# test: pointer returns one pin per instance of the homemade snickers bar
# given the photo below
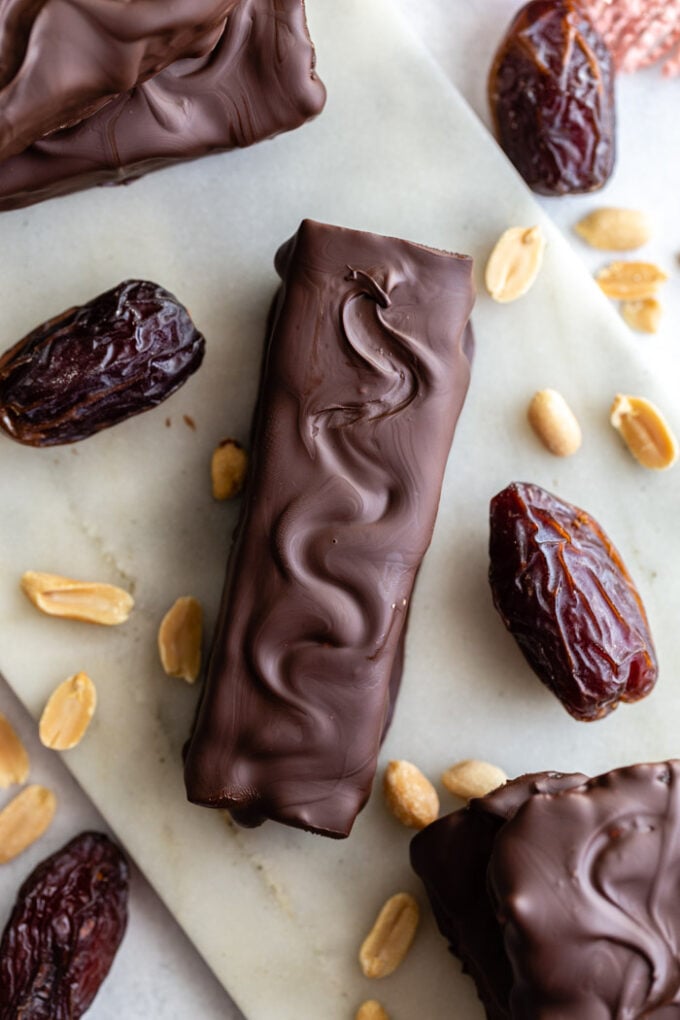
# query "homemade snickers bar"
(253, 78)
(365, 371)
(60, 60)
(559, 893)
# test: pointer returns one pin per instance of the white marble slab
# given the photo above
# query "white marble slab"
(276, 913)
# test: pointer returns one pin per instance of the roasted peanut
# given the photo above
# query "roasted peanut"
(24, 820)
(371, 1010)
(390, 938)
(514, 263)
(179, 639)
(613, 229)
(410, 796)
(228, 469)
(643, 316)
(631, 281)
(645, 431)
(554, 423)
(473, 778)
(88, 601)
(68, 713)
(14, 763)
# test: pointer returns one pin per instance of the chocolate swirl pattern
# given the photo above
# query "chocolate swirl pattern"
(254, 80)
(452, 856)
(588, 884)
(60, 60)
(560, 894)
(365, 372)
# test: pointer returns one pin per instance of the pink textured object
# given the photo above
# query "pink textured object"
(639, 32)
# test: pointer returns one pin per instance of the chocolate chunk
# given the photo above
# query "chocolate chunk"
(452, 856)
(258, 81)
(588, 887)
(60, 60)
(562, 899)
(365, 371)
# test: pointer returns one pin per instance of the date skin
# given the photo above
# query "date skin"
(565, 595)
(64, 931)
(551, 92)
(96, 365)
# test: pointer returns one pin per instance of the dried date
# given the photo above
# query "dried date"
(98, 364)
(565, 595)
(551, 91)
(64, 931)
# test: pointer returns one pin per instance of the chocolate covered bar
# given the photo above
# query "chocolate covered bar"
(559, 894)
(60, 60)
(365, 371)
(257, 81)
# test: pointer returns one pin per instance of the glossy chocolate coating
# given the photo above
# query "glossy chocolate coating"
(60, 60)
(365, 371)
(452, 856)
(588, 885)
(560, 894)
(258, 80)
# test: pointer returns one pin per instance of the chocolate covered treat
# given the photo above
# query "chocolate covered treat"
(60, 60)
(559, 894)
(366, 367)
(257, 81)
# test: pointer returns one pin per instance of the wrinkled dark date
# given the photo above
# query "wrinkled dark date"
(64, 931)
(565, 595)
(551, 90)
(98, 364)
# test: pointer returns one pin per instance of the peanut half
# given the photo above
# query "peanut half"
(179, 639)
(88, 601)
(631, 281)
(514, 263)
(645, 431)
(371, 1010)
(68, 712)
(410, 796)
(554, 423)
(228, 469)
(14, 763)
(643, 316)
(612, 229)
(390, 938)
(24, 820)
(473, 778)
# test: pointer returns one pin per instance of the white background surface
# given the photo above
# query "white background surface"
(172, 982)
